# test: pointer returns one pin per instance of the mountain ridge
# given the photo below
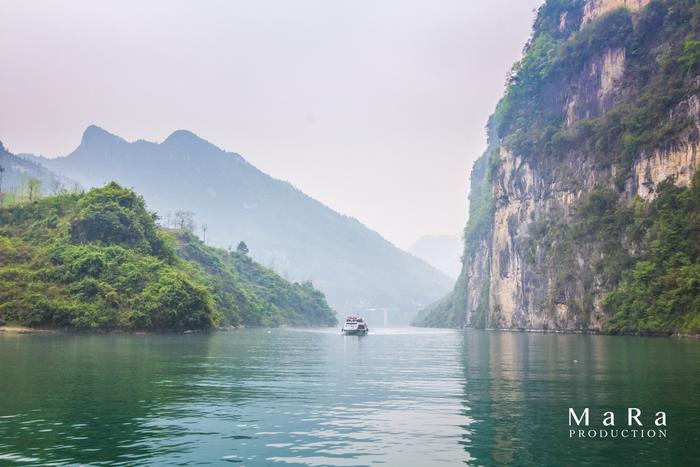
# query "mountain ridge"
(18, 169)
(300, 236)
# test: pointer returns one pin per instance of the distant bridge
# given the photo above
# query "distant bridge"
(389, 316)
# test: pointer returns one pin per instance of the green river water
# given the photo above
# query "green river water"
(399, 397)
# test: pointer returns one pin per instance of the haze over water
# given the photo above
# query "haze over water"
(312, 397)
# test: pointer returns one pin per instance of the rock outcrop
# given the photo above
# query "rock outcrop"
(676, 161)
(593, 9)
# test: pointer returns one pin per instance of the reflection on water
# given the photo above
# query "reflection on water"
(313, 397)
(257, 396)
(518, 388)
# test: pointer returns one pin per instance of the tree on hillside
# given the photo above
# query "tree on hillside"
(166, 220)
(184, 220)
(242, 248)
(57, 187)
(2, 169)
(33, 189)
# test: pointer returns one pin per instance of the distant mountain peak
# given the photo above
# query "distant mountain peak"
(183, 134)
(443, 252)
(186, 140)
(185, 137)
(96, 135)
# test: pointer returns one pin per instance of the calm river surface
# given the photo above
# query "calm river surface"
(312, 397)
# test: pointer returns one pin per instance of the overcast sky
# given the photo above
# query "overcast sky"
(374, 107)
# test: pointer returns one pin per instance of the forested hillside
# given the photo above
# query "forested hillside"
(99, 261)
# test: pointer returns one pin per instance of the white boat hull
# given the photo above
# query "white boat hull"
(355, 332)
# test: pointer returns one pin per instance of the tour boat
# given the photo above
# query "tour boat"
(355, 326)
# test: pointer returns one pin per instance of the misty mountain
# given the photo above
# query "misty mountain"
(17, 170)
(443, 252)
(300, 237)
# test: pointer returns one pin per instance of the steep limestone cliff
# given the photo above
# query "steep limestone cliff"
(600, 116)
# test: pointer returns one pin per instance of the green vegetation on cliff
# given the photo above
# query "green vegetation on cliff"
(98, 261)
(660, 292)
(662, 60)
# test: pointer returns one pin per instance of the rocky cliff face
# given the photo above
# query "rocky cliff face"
(526, 293)
(592, 9)
(588, 121)
(675, 161)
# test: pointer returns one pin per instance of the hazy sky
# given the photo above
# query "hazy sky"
(376, 108)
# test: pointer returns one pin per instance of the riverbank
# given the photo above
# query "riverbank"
(19, 329)
(26, 330)
(594, 332)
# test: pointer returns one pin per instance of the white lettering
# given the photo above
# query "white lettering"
(633, 414)
(609, 419)
(578, 420)
(660, 419)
